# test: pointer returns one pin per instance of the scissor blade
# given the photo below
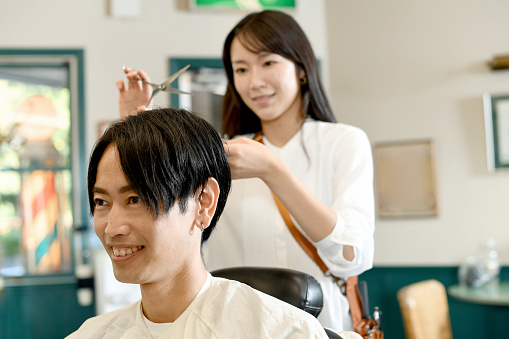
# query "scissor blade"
(174, 76)
(154, 92)
(174, 90)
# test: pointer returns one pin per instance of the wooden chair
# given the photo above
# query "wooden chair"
(425, 310)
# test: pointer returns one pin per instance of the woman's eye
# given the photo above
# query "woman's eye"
(240, 70)
(270, 62)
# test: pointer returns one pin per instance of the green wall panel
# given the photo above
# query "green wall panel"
(43, 312)
(467, 320)
(52, 311)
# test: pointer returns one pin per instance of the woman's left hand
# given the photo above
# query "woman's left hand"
(249, 159)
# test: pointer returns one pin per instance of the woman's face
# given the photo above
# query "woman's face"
(267, 83)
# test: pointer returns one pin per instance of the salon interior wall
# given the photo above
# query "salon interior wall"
(404, 70)
(165, 28)
(399, 70)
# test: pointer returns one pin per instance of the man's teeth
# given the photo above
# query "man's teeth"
(122, 252)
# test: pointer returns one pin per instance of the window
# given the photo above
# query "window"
(41, 157)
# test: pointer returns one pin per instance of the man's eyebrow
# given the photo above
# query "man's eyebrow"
(125, 189)
(122, 189)
(96, 189)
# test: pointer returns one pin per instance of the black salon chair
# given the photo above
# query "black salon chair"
(296, 288)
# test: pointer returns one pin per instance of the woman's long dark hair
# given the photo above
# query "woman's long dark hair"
(273, 32)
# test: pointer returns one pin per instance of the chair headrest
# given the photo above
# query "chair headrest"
(296, 288)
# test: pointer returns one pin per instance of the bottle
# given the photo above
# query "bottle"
(489, 263)
(481, 269)
(467, 272)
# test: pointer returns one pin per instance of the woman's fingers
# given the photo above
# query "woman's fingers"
(247, 158)
(134, 95)
(143, 75)
(120, 85)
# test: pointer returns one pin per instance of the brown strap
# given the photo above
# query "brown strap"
(306, 245)
(352, 290)
(354, 299)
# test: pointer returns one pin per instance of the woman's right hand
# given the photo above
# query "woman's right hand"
(133, 98)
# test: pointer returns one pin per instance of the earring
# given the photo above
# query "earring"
(303, 80)
(201, 228)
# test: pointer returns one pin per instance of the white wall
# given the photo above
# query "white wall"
(166, 29)
(398, 69)
(404, 70)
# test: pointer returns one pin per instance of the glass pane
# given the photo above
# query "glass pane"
(35, 170)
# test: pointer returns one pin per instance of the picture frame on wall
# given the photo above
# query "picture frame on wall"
(405, 179)
(243, 4)
(496, 124)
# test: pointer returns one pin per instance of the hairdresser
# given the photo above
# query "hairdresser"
(286, 146)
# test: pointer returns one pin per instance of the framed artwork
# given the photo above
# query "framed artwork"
(243, 4)
(405, 179)
(496, 124)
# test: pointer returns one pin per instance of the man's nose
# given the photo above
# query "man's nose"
(118, 223)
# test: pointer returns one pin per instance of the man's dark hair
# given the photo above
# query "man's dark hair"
(166, 155)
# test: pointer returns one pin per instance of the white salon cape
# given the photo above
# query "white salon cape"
(335, 163)
(222, 309)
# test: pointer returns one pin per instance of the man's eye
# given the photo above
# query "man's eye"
(134, 200)
(100, 202)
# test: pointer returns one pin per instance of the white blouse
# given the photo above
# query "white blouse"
(334, 162)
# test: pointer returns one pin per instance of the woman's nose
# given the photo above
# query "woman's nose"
(257, 79)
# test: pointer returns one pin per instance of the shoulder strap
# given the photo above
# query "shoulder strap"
(352, 290)
(306, 245)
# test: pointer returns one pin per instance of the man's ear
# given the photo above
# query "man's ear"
(207, 198)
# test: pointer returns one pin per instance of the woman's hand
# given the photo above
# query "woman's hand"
(133, 98)
(249, 159)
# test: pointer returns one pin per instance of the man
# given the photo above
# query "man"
(157, 183)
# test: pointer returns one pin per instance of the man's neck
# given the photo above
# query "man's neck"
(164, 302)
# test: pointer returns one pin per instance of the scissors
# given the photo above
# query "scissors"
(165, 85)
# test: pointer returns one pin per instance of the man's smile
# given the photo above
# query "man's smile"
(123, 251)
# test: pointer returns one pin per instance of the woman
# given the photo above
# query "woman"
(320, 170)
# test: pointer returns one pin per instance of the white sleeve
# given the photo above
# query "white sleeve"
(353, 201)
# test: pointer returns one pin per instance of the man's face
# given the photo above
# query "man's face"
(142, 250)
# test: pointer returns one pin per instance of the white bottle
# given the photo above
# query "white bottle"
(467, 273)
(490, 266)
